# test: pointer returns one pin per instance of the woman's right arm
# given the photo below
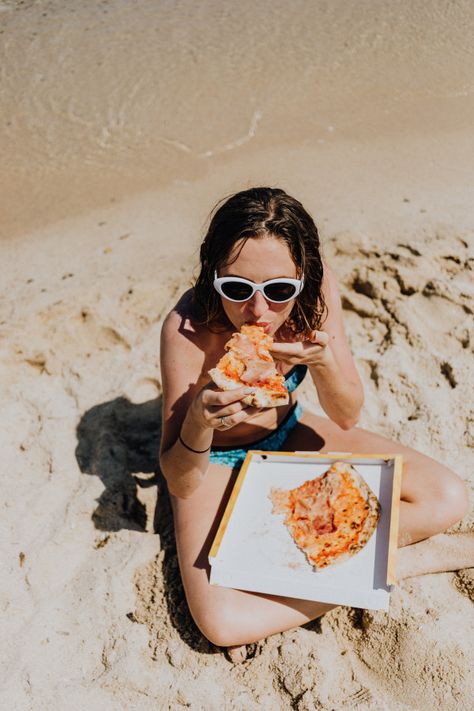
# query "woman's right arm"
(191, 410)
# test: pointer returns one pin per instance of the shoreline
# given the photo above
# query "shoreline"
(200, 98)
(375, 188)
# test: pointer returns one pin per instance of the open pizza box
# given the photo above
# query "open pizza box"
(253, 550)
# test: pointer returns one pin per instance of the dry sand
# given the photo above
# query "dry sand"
(93, 611)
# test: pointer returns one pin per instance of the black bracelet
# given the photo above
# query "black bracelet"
(196, 451)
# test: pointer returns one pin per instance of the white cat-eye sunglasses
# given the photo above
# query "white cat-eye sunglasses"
(276, 290)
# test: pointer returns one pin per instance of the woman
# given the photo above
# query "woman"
(262, 235)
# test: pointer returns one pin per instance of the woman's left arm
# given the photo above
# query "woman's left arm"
(330, 361)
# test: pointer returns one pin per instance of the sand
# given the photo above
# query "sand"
(96, 246)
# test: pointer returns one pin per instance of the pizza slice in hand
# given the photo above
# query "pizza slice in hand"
(248, 361)
(331, 517)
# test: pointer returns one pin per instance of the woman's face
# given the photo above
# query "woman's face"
(258, 260)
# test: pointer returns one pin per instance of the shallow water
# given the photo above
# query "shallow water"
(101, 100)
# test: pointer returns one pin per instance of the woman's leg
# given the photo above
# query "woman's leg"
(224, 615)
(433, 498)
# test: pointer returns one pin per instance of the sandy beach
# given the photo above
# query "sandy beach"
(124, 125)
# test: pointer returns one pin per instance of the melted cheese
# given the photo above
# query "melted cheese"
(326, 516)
(248, 359)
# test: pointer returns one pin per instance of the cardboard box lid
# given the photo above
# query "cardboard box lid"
(253, 550)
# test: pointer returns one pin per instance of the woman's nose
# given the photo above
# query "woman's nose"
(257, 305)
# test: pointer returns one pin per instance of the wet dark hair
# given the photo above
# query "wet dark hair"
(252, 214)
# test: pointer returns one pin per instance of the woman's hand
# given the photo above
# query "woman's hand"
(313, 350)
(218, 410)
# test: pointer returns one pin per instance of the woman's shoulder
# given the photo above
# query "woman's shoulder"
(181, 324)
(181, 316)
(188, 349)
(182, 309)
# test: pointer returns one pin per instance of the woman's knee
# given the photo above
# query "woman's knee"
(219, 626)
(452, 498)
(215, 612)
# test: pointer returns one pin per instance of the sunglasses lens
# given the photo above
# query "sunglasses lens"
(236, 290)
(280, 291)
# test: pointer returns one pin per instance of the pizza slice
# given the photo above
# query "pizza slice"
(331, 517)
(248, 361)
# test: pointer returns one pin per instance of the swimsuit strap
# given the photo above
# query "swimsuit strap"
(295, 376)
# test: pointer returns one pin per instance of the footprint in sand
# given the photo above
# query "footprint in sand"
(363, 696)
(463, 581)
(91, 330)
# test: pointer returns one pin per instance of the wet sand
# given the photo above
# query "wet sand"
(124, 124)
(106, 100)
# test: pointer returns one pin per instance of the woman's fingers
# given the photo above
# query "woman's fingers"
(232, 409)
(231, 415)
(319, 338)
(212, 397)
(289, 352)
(222, 409)
(300, 351)
(225, 422)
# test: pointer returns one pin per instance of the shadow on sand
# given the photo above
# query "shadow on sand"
(119, 441)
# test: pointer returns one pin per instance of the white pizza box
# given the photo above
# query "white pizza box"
(253, 550)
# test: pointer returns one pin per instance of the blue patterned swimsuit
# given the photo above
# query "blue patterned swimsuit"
(232, 457)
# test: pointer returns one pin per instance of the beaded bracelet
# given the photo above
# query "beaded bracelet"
(196, 451)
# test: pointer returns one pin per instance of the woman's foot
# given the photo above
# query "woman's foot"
(237, 654)
(441, 553)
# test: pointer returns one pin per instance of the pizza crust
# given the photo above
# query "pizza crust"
(370, 523)
(262, 397)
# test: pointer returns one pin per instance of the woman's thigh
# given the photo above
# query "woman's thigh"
(196, 520)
